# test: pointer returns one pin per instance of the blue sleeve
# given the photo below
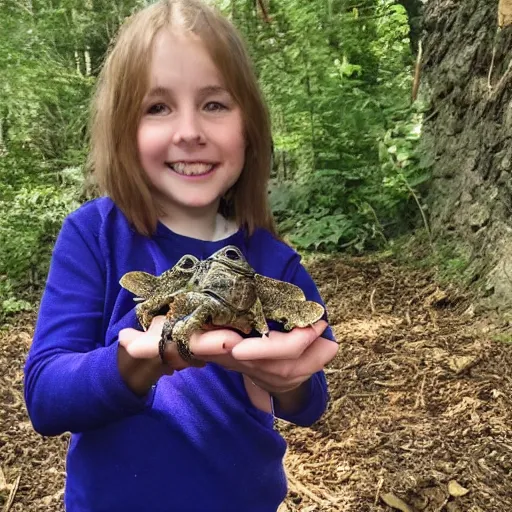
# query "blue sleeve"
(317, 391)
(72, 382)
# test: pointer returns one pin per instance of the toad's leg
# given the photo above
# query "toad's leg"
(258, 320)
(186, 326)
(146, 310)
(187, 313)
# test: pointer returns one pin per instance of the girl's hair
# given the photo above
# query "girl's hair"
(116, 113)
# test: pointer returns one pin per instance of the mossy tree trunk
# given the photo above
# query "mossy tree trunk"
(468, 135)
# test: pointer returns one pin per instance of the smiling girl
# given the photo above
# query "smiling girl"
(180, 148)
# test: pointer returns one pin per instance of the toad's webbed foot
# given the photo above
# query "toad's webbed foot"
(180, 337)
(166, 337)
(187, 314)
(184, 349)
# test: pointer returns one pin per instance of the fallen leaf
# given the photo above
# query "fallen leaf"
(395, 502)
(456, 490)
(460, 363)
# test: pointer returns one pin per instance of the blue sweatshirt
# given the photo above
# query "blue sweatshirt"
(195, 442)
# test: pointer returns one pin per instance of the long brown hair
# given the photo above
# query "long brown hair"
(116, 113)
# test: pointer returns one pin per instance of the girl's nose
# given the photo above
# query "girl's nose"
(187, 129)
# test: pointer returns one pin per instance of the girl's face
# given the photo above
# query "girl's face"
(191, 137)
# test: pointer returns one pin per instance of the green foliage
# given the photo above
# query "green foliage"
(49, 54)
(318, 213)
(337, 76)
(401, 173)
(338, 80)
(502, 338)
(450, 260)
(34, 214)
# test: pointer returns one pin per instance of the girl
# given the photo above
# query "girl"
(181, 150)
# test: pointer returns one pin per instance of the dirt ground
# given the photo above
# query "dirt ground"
(420, 417)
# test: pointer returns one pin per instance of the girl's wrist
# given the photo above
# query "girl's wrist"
(139, 374)
(293, 400)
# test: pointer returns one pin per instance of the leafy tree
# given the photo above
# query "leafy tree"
(337, 75)
(50, 51)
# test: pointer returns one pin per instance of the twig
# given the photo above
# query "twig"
(3, 481)
(264, 12)
(432, 115)
(491, 67)
(420, 399)
(442, 505)
(303, 489)
(391, 384)
(425, 222)
(372, 305)
(351, 365)
(501, 83)
(12, 494)
(415, 196)
(379, 487)
(432, 315)
(417, 74)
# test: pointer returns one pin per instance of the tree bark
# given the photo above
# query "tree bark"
(468, 137)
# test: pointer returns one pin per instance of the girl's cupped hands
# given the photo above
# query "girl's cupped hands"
(277, 364)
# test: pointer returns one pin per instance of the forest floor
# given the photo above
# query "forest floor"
(420, 414)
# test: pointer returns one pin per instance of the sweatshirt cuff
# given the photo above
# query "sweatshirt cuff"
(315, 403)
(119, 394)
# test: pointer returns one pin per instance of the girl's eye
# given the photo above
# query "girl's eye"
(214, 106)
(158, 109)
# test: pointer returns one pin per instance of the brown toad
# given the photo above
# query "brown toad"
(222, 290)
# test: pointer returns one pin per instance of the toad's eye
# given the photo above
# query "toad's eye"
(233, 255)
(187, 263)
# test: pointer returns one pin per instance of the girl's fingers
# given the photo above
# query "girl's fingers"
(301, 352)
(316, 357)
(140, 345)
(144, 345)
(214, 342)
(279, 345)
(320, 353)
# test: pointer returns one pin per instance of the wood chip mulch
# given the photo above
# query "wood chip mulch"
(421, 411)
(420, 417)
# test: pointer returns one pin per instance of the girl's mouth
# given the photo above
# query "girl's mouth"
(191, 168)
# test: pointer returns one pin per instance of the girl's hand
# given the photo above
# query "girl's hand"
(139, 361)
(278, 364)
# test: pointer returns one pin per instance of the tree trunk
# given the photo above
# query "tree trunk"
(468, 135)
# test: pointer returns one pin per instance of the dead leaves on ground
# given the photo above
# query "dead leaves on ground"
(420, 413)
(419, 420)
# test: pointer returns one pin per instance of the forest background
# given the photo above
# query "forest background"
(337, 76)
(349, 173)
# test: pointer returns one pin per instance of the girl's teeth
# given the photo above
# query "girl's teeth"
(191, 169)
